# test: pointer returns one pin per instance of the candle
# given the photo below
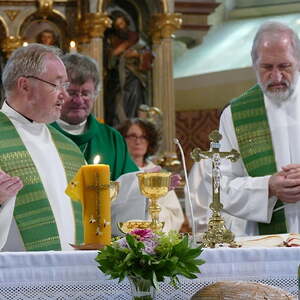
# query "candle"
(73, 48)
(96, 204)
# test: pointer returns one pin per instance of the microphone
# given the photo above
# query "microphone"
(176, 141)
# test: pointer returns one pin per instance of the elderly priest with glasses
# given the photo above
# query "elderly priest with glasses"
(36, 160)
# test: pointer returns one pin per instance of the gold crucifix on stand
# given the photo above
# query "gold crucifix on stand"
(217, 232)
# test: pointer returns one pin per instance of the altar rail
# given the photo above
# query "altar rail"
(74, 275)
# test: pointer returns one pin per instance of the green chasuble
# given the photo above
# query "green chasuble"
(107, 142)
(32, 212)
(254, 138)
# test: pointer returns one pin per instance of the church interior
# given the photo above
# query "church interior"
(194, 58)
(198, 67)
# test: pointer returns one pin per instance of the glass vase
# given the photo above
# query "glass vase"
(141, 289)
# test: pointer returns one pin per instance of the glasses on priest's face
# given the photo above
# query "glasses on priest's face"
(62, 86)
(135, 138)
(85, 94)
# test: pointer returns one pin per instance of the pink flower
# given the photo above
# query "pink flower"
(143, 234)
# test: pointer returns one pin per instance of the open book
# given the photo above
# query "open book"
(276, 240)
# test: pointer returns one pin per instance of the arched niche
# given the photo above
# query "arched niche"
(155, 17)
(153, 6)
(127, 85)
(34, 24)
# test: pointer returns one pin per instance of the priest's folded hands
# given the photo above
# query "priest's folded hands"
(9, 186)
(286, 184)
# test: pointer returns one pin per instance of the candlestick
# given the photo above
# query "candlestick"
(96, 204)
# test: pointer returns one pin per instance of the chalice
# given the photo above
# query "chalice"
(154, 185)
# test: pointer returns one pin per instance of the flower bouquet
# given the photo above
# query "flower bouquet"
(147, 257)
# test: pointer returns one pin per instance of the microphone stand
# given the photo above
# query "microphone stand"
(176, 141)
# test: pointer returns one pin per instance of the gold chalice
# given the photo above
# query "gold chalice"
(154, 185)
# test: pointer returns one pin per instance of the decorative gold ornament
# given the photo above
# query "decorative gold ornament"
(91, 25)
(217, 232)
(10, 44)
(12, 13)
(82, 29)
(45, 8)
(164, 25)
(98, 23)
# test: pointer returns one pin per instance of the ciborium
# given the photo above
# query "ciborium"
(154, 185)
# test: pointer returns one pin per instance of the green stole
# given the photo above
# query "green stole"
(32, 211)
(254, 138)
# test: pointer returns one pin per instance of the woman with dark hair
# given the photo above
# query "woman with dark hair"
(142, 140)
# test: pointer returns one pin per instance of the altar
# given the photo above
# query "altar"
(74, 274)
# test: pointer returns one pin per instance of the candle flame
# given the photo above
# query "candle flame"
(72, 44)
(97, 159)
(25, 44)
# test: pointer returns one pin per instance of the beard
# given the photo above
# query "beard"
(278, 94)
(121, 34)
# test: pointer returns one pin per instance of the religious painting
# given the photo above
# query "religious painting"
(44, 32)
(128, 62)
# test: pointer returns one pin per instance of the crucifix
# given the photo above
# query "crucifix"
(217, 232)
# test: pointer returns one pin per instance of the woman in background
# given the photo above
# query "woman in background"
(142, 140)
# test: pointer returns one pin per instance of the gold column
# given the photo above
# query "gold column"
(162, 27)
(94, 25)
(11, 43)
(82, 38)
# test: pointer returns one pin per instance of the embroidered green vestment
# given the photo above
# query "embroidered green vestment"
(32, 212)
(254, 138)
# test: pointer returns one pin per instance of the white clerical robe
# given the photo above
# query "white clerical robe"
(38, 142)
(245, 198)
(130, 204)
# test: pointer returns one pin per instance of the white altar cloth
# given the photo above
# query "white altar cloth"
(74, 274)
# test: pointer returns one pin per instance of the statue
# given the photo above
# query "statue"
(128, 62)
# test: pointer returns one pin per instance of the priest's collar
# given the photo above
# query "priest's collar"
(13, 114)
(72, 129)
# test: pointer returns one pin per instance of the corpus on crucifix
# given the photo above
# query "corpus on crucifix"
(217, 232)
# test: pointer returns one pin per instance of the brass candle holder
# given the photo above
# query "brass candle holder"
(217, 232)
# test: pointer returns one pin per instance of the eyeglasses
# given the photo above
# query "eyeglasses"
(134, 138)
(86, 94)
(59, 86)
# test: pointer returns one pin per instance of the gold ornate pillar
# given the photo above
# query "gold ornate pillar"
(94, 25)
(162, 27)
(82, 37)
(11, 43)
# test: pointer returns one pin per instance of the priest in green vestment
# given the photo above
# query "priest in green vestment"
(38, 216)
(94, 138)
(77, 122)
(261, 192)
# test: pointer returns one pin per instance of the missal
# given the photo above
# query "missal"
(276, 240)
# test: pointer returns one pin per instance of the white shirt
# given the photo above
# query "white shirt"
(38, 142)
(245, 198)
